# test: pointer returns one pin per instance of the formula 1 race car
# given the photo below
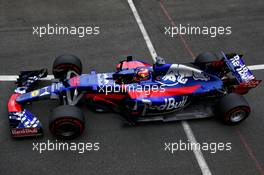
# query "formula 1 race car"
(210, 86)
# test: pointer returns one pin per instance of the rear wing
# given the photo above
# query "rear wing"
(238, 68)
(240, 71)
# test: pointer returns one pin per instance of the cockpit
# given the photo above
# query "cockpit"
(134, 75)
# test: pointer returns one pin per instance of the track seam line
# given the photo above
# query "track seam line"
(187, 129)
(252, 67)
(250, 152)
(187, 47)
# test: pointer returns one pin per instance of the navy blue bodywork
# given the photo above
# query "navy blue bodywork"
(171, 87)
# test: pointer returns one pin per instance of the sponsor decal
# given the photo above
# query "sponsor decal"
(25, 118)
(75, 81)
(56, 87)
(19, 114)
(180, 74)
(241, 69)
(24, 131)
(21, 90)
(102, 79)
(34, 93)
(169, 104)
(46, 92)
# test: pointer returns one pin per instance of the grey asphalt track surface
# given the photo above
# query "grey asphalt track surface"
(140, 149)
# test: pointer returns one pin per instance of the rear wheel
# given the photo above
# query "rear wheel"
(210, 62)
(65, 63)
(67, 122)
(233, 108)
(206, 57)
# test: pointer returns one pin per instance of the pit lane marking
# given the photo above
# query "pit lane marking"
(187, 129)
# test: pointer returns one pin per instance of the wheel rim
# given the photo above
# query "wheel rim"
(67, 129)
(238, 115)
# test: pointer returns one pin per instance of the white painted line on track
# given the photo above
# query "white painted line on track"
(142, 29)
(15, 77)
(198, 153)
(8, 77)
(187, 129)
(256, 67)
(50, 77)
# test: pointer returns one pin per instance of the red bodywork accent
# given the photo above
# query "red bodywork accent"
(243, 88)
(218, 63)
(107, 98)
(166, 92)
(135, 113)
(131, 65)
(75, 81)
(13, 106)
(113, 98)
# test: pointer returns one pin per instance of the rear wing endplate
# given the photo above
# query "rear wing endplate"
(238, 68)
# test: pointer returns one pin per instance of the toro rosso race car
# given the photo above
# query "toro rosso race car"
(210, 86)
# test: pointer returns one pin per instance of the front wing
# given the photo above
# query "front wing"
(22, 122)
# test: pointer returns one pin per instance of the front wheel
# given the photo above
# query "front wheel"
(233, 108)
(67, 122)
(65, 63)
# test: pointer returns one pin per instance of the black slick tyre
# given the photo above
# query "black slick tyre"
(206, 57)
(65, 63)
(233, 109)
(67, 122)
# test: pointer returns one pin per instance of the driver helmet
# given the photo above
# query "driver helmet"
(143, 74)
